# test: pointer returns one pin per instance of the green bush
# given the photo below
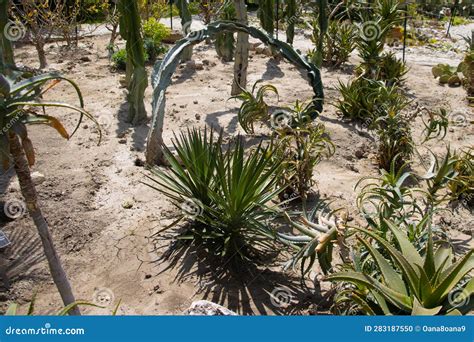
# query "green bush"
(153, 34)
(119, 59)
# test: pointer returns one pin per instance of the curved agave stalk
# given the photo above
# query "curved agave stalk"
(163, 71)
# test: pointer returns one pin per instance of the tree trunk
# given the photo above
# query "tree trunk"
(5, 44)
(242, 50)
(41, 54)
(29, 193)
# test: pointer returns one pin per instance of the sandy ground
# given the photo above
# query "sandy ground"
(109, 252)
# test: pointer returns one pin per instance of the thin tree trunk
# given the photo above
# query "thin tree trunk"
(242, 50)
(5, 44)
(41, 54)
(29, 193)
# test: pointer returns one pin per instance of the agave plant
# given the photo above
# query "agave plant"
(254, 108)
(18, 100)
(225, 194)
(391, 70)
(467, 69)
(409, 282)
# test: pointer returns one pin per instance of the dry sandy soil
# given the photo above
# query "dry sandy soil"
(109, 252)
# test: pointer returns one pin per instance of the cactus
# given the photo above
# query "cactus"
(266, 15)
(130, 30)
(225, 41)
(163, 71)
(186, 20)
(447, 74)
(323, 27)
(290, 20)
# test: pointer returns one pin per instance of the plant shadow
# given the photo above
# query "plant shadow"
(260, 288)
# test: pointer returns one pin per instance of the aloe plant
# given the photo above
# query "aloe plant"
(19, 98)
(137, 81)
(163, 71)
(410, 282)
(254, 107)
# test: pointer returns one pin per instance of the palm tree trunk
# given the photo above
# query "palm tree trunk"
(242, 50)
(29, 193)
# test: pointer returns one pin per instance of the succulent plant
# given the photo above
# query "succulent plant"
(447, 74)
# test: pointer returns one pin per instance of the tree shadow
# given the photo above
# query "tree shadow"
(351, 126)
(212, 120)
(20, 260)
(139, 133)
(273, 70)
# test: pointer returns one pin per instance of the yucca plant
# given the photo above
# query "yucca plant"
(300, 148)
(19, 97)
(226, 195)
(254, 108)
(408, 282)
